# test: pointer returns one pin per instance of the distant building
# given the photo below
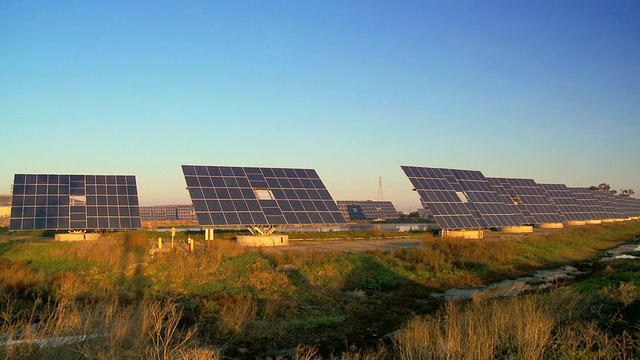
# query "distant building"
(367, 210)
(167, 213)
(5, 206)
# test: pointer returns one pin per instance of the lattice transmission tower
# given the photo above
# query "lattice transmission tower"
(380, 194)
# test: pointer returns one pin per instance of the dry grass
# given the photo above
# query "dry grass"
(585, 340)
(177, 266)
(235, 315)
(512, 328)
(105, 330)
(558, 325)
(18, 276)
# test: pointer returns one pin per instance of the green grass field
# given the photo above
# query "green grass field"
(229, 301)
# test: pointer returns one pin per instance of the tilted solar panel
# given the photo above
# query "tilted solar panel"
(591, 206)
(530, 199)
(607, 203)
(74, 202)
(566, 202)
(225, 195)
(628, 207)
(462, 199)
(440, 198)
(367, 209)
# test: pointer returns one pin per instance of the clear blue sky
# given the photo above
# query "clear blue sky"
(548, 90)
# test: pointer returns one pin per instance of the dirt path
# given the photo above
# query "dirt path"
(358, 246)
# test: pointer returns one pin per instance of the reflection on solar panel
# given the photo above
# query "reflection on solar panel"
(223, 195)
(566, 202)
(367, 210)
(532, 200)
(77, 202)
(462, 199)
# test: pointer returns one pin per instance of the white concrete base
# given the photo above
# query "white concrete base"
(575, 223)
(517, 229)
(619, 220)
(465, 234)
(607, 220)
(77, 236)
(593, 222)
(550, 226)
(267, 240)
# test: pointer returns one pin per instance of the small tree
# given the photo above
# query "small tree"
(606, 188)
(627, 192)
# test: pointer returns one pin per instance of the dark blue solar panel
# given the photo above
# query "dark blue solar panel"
(224, 195)
(74, 202)
(591, 206)
(460, 199)
(566, 202)
(530, 199)
(367, 210)
(627, 207)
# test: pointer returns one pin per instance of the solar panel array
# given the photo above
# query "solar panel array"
(167, 213)
(530, 199)
(74, 202)
(566, 202)
(439, 196)
(367, 210)
(463, 199)
(607, 202)
(223, 196)
(629, 207)
(589, 203)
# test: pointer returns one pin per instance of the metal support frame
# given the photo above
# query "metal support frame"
(264, 230)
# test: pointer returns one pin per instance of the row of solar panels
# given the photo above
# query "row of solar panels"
(465, 199)
(226, 196)
(220, 195)
(367, 210)
(167, 213)
(352, 210)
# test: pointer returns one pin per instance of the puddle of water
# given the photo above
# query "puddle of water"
(51, 342)
(622, 252)
(542, 279)
(625, 256)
